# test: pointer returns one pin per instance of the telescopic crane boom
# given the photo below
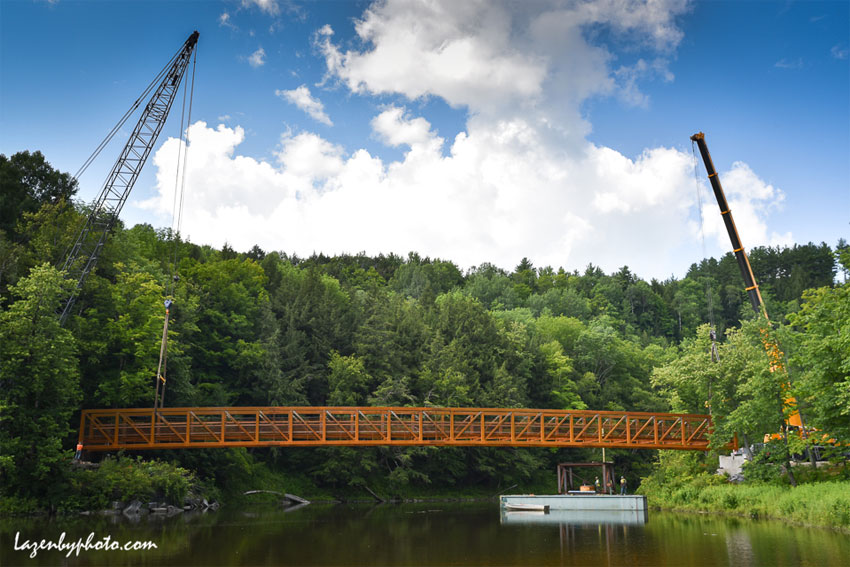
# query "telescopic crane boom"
(774, 354)
(84, 253)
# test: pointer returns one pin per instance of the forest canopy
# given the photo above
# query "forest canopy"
(270, 328)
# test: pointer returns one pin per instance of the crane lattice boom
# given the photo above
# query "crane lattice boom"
(84, 253)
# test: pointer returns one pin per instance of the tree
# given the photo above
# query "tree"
(821, 357)
(493, 289)
(132, 339)
(842, 257)
(348, 381)
(229, 336)
(393, 337)
(313, 317)
(28, 182)
(425, 279)
(39, 386)
(560, 301)
(560, 369)
(741, 392)
(466, 349)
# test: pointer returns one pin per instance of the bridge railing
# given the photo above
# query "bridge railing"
(180, 428)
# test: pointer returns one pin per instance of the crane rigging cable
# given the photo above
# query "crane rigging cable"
(105, 142)
(115, 129)
(176, 224)
(185, 147)
(81, 257)
(715, 355)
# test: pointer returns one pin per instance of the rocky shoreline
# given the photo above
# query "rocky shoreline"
(137, 508)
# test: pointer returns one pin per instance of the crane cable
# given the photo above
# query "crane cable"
(712, 333)
(115, 129)
(176, 222)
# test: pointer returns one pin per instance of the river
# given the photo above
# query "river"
(435, 533)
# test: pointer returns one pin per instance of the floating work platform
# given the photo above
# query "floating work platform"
(578, 502)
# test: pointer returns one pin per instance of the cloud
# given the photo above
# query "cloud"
(258, 58)
(839, 52)
(302, 98)
(498, 195)
(488, 55)
(629, 76)
(520, 180)
(270, 7)
(465, 66)
(224, 21)
(308, 158)
(789, 63)
(394, 128)
(750, 200)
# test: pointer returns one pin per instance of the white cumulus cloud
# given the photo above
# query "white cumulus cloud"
(258, 58)
(302, 98)
(750, 199)
(520, 180)
(270, 7)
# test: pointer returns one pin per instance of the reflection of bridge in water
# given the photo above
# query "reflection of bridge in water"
(182, 428)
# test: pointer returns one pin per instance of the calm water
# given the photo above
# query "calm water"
(426, 534)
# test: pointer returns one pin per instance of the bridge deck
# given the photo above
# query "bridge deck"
(181, 428)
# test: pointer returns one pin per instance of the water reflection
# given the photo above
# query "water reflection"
(432, 534)
(577, 517)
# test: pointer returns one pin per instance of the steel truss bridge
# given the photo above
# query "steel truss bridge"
(214, 427)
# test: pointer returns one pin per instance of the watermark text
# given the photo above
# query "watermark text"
(72, 547)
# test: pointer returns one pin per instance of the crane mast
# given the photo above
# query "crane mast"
(86, 249)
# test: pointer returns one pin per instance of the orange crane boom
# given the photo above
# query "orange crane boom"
(773, 353)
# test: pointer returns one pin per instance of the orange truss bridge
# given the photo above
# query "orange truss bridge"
(183, 428)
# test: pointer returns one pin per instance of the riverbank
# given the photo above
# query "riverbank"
(820, 504)
(114, 485)
(140, 486)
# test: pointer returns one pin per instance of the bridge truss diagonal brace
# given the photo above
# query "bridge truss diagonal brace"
(182, 428)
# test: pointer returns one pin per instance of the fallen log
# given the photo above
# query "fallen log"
(286, 496)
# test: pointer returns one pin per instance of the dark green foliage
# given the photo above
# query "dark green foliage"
(27, 182)
(224, 318)
(821, 361)
(39, 388)
(424, 279)
(260, 327)
(125, 479)
(766, 465)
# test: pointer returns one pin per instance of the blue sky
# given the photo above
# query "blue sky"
(470, 131)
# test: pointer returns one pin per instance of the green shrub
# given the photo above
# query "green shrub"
(125, 479)
(766, 466)
(839, 512)
(730, 500)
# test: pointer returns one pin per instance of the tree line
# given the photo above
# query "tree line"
(271, 328)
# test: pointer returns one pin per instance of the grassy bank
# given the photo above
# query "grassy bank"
(822, 504)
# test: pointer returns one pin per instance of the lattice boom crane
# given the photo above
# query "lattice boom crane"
(83, 255)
